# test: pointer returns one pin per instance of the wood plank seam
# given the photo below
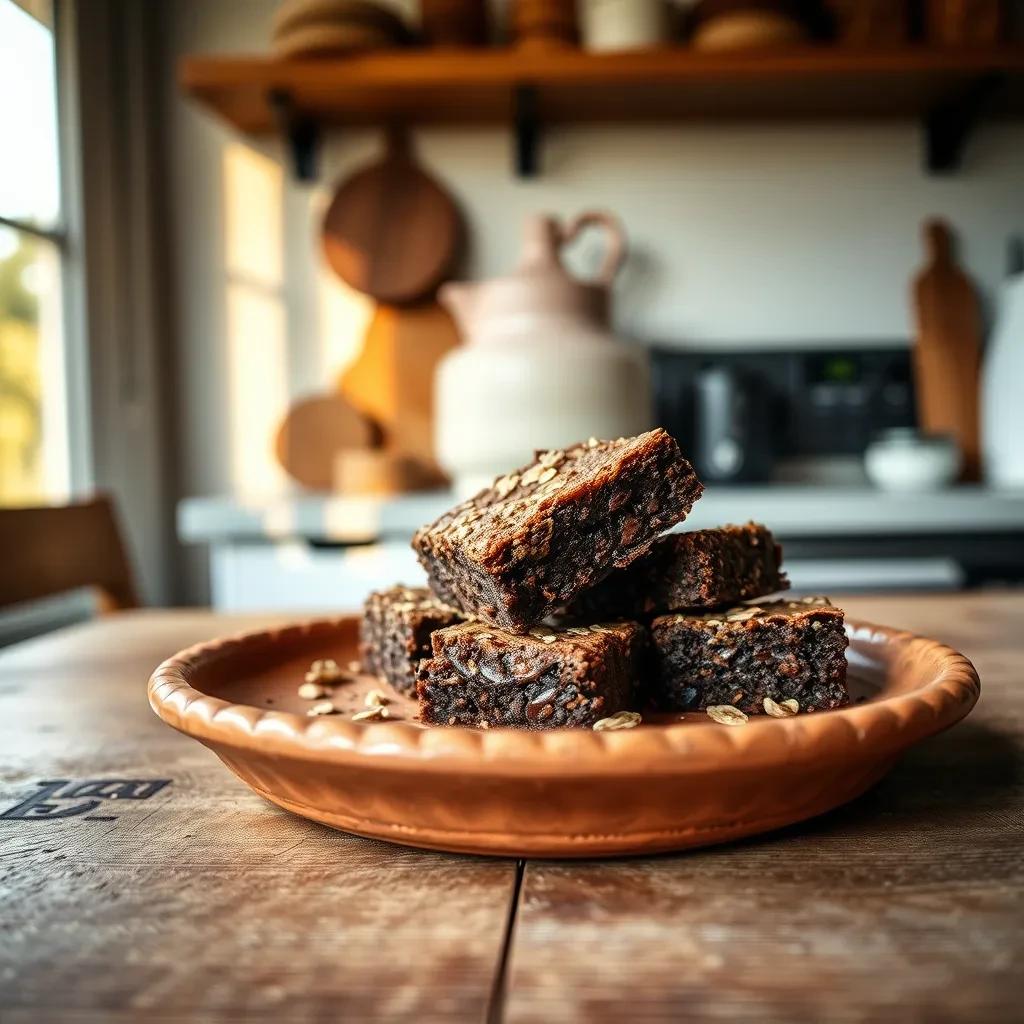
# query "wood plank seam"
(496, 1000)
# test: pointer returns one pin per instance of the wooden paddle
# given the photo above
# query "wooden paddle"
(392, 231)
(947, 355)
(392, 378)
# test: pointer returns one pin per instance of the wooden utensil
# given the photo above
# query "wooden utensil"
(392, 378)
(392, 231)
(947, 354)
(315, 430)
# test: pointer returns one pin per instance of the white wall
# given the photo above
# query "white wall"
(775, 234)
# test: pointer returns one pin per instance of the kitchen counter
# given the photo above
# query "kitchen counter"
(309, 551)
(193, 899)
(804, 511)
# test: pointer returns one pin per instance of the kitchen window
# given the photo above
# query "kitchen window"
(35, 449)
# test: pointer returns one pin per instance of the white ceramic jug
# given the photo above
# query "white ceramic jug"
(539, 367)
(1002, 408)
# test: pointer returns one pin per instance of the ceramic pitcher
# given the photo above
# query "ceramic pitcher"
(539, 366)
(1002, 424)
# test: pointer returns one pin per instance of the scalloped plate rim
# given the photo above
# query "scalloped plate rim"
(899, 720)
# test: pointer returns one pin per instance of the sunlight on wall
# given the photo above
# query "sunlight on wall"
(257, 357)
(344, 315)
(253, 216)
(257, 387)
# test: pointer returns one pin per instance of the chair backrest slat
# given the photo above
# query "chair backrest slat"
(54, 549)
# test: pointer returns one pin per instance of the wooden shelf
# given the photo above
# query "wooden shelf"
(946, 88)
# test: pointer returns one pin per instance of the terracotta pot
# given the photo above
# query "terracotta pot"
(556, 793)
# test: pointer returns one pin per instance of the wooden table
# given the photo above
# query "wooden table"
(121, 898)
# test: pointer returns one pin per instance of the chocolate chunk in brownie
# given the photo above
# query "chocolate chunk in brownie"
(394, 633)
(700, 569)
(779, 649)
(483, 676)
(539, 536)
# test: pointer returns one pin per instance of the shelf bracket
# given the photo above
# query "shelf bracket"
(528, 130)
(301, 133)
(950, 123)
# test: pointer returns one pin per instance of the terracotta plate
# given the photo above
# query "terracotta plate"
(564, 793)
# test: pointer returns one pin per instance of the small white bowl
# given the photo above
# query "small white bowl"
(904, 460)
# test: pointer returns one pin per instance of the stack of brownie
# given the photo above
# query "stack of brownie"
(556, 599)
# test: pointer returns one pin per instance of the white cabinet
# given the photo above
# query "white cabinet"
(297, 576)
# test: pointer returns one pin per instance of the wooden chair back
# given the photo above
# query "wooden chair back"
(53, 549)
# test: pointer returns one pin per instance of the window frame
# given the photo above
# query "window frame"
(73, 277)
(119, 357)
(62, 236)
(115, 340)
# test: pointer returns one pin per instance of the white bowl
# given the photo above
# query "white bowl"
(908, 461)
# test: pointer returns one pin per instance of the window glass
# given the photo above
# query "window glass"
(29, 165)
(33, 448)
(33, 406)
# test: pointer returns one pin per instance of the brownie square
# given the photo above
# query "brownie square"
(483, 676)
(539, 536)
(394, 633)
(698, 569)
(780, 649)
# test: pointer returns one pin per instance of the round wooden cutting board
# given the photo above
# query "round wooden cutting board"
(391, 231)
(315, 431)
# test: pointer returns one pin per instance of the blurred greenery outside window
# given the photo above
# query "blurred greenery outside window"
(33, 404)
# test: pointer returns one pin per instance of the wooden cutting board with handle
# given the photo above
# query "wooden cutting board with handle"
(391, 231)
(947, 353)
(392, 378)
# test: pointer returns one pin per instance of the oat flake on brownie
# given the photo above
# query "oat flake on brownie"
(782, 650)
(548, 678)
(539, 536)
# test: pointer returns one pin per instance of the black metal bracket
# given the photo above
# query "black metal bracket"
(528, 130)
(949, 124)
(301, 133)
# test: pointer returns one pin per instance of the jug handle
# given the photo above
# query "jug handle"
(616, 252)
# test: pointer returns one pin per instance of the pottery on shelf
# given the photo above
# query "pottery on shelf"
(608, 26)
(539, 366)
(1002, 425)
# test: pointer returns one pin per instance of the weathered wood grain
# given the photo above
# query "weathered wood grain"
(202, 901)
(908, 905)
